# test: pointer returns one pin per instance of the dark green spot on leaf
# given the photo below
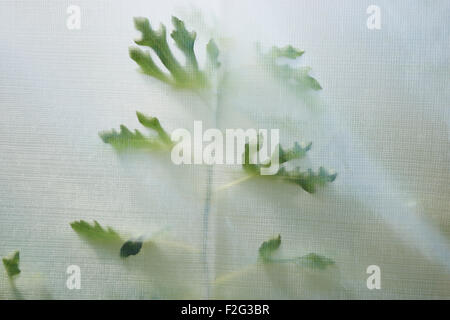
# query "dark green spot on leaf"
(130, 248)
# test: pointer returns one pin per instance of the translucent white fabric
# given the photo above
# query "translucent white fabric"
(381, 122)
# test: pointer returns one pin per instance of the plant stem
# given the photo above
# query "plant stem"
(207, 207)
(206, 212)
(235, 182)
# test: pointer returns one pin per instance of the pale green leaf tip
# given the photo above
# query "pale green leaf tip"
(149, 122)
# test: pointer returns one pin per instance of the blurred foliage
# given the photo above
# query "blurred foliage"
(11, 264)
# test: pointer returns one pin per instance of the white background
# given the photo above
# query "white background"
(381, 121)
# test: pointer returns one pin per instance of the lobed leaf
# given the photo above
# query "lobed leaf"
(126, 139)
(308, 181)
(298, 78)
(95, 232)
(188, 76)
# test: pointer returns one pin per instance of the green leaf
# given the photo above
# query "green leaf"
(148, 66)
(315, 261)
(311, 260)
(296, 152)
(11, 264)
(286, 52)
(298, 78)
(185, 42)
(157, 40)
(130, 247)
(213, 54)
(153, 124)
(188, 76)
(126, 139)
(95, 232)
(308, 181)
(268, 247)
